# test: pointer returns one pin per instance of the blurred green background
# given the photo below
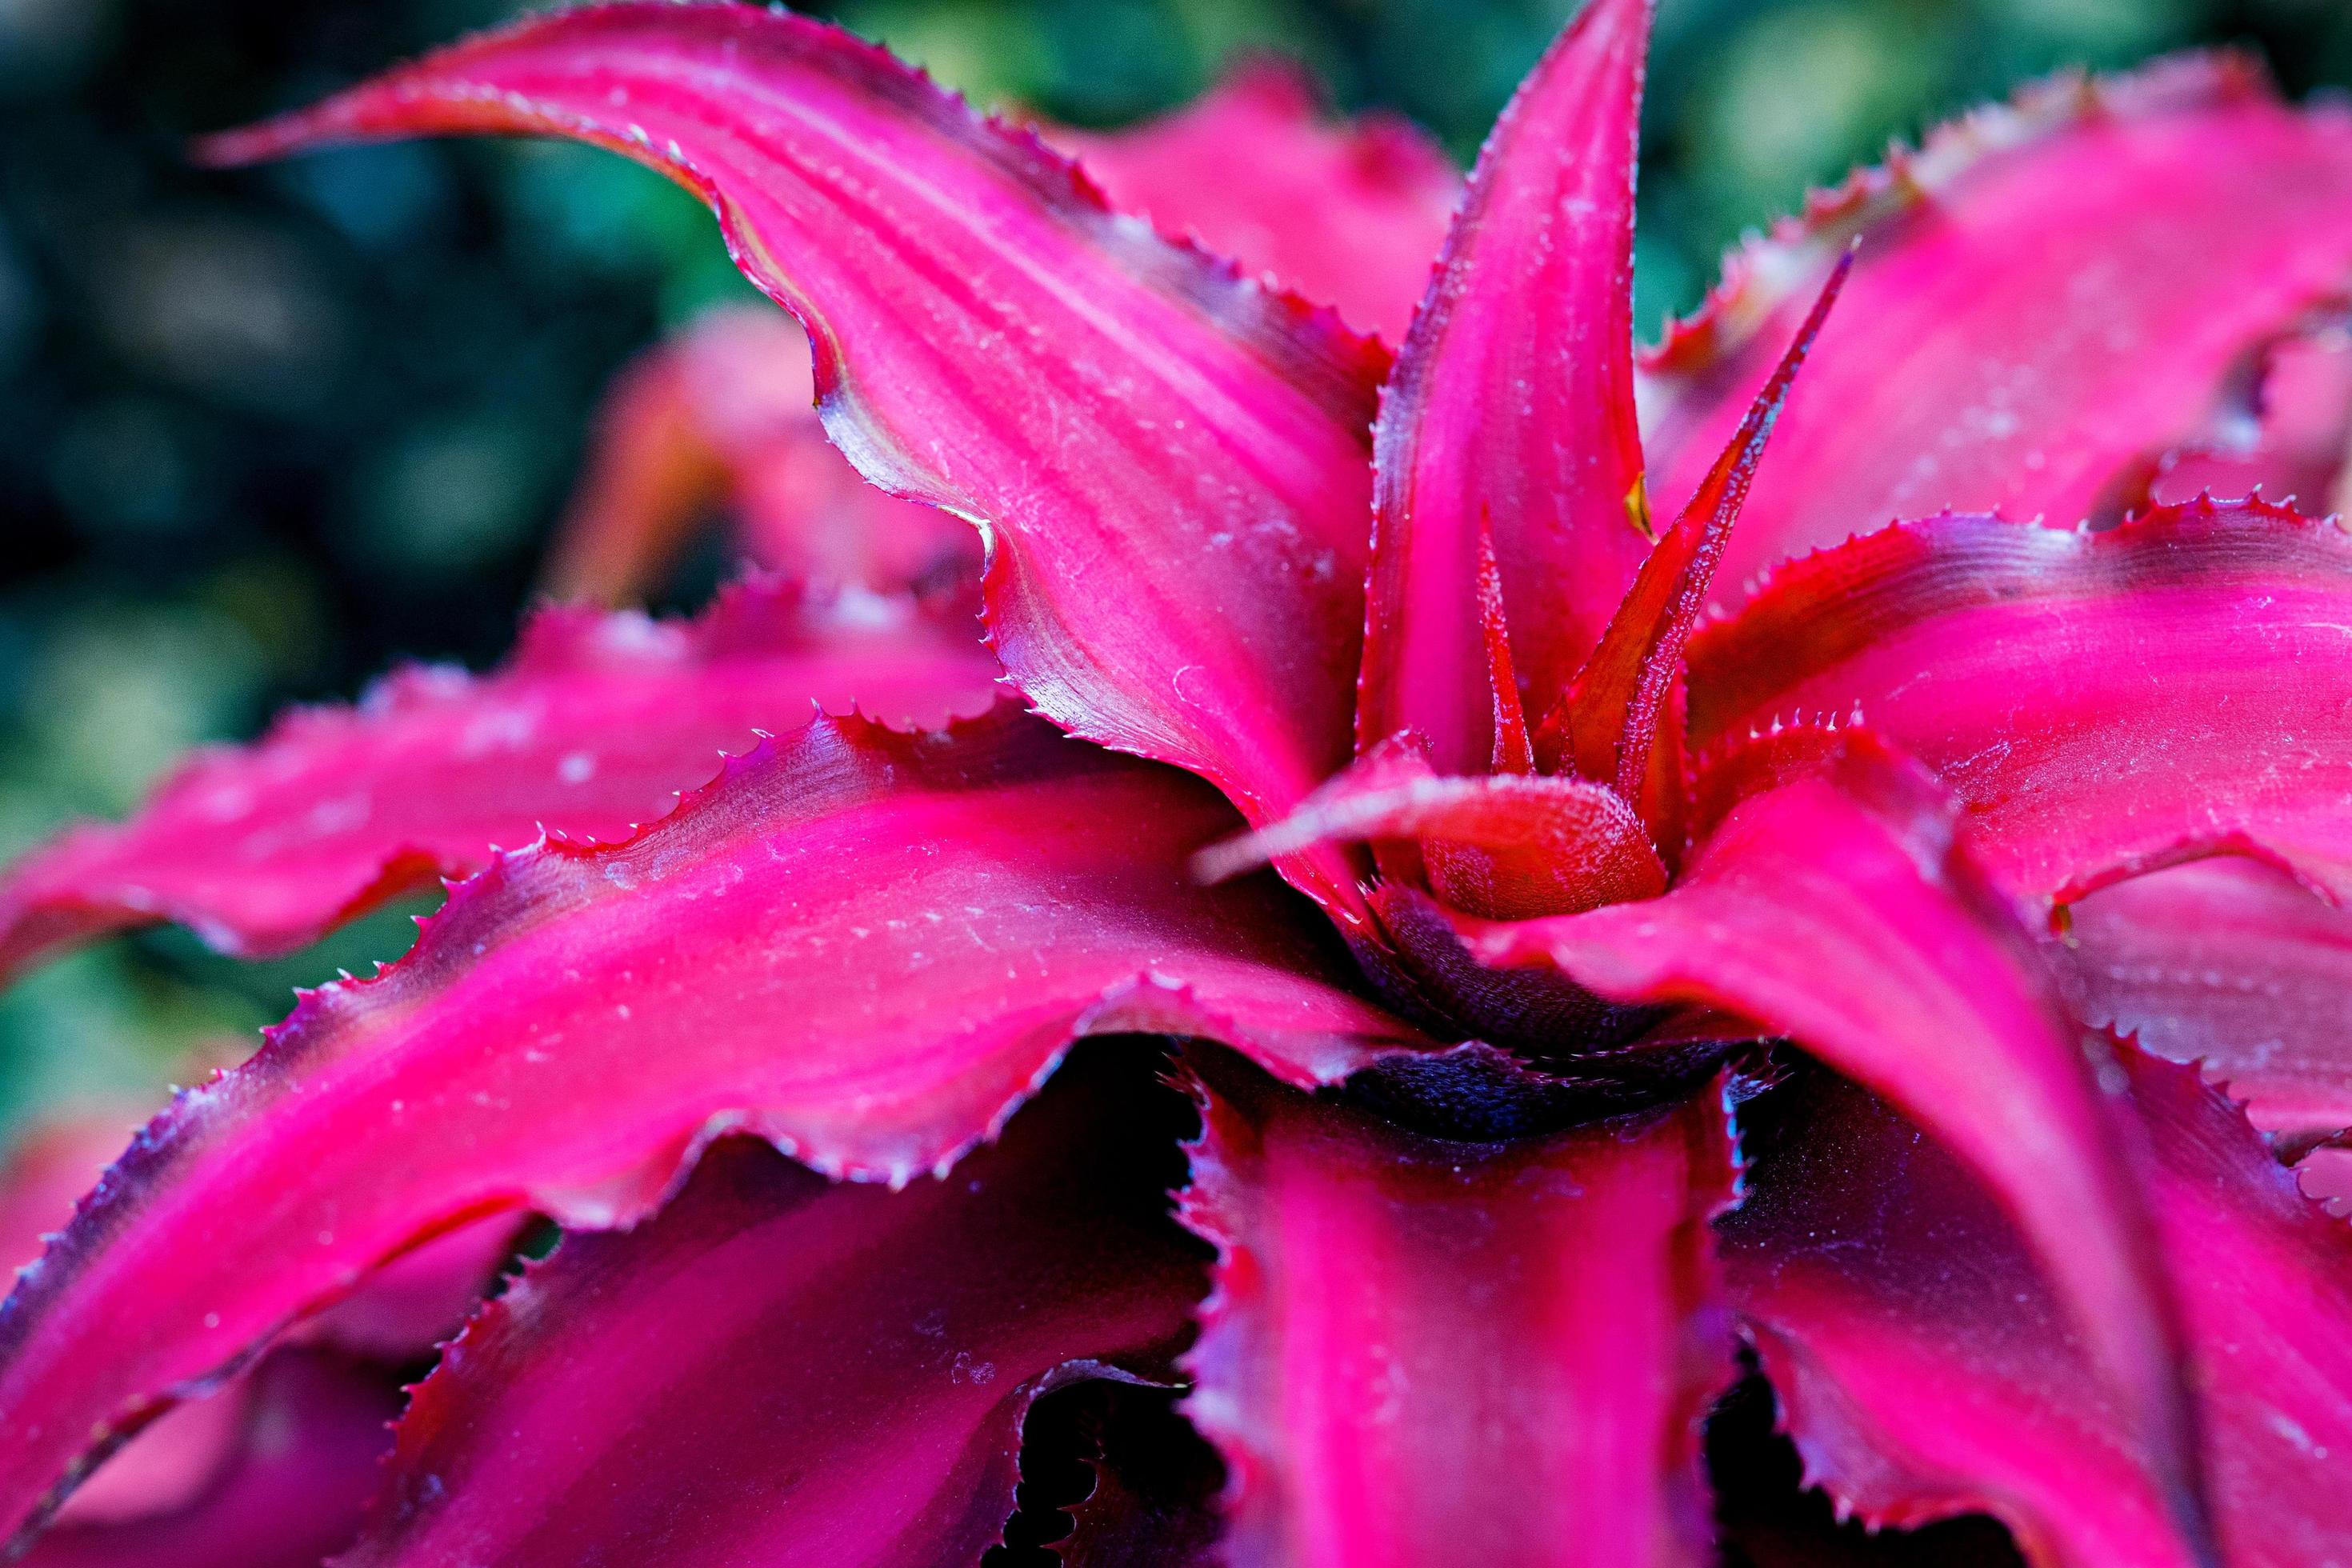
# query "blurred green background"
(266, 432)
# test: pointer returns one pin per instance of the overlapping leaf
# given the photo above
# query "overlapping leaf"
(2103, 702)
(2050, 297)
(864, 946)
(1422, 1351)
(781, 1368)
(1169, 460)
(593, 727)
(1838, 911)
(1510, 415)
(1925, 1370)
(2228, 963)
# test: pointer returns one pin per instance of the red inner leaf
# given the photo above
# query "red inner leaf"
(1512, 408)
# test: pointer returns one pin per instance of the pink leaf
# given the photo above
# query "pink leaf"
(1925, 1370)
(725, 412)
(1169, 460)
(1839, 911)
(2103, 702)
(2227, 964)
(1622, 724)
(305, 1455)
(778, 1368)
(592, 726)
(1421, 1350)
(2049, 295)
(1348, 215)
(2287, 435)
(864, 946)
(1511, 409)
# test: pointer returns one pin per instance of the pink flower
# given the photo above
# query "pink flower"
(1649, 963)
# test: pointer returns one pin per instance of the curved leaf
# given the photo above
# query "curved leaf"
(2227, 964)
(2049, 296)
(593, 726)
(1511, 409)
(864, 946)
(1167, 461)
(779, 1368)
(1925, 1370)
(1421, 1350)
(1348, 213)
(2103, 702)
(1838, 911)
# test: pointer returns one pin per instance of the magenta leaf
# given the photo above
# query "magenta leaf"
(864, 946)
(1838, 910)
(2103, 702)
(2049, 296)
(1347, 215)
(593, 726)
(2228, 963)
(1421, 1350)
(306, 1453)
(1924, 1369)
(725, 412)
(1622, 718)
(1169, 460)
(779, 1368)
(1511, 409)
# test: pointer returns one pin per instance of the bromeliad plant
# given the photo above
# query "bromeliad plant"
(1645, 966)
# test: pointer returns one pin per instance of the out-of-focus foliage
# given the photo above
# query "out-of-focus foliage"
(267, 431)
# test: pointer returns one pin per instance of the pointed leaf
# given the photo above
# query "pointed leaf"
(1511, 408)
(1421, 1350)
(1347, 214)
(2103, 702)
(779, 1368)
(2227, 964)
(593, 726)
(1924, 1369)
(1838, 911)
(1168, 461)
(1622, 724)
(867, 947)
(725, 413)
(2050, 295)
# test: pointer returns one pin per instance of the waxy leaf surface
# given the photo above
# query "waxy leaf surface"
(1511, 412)
(1838, 911)
(1347, 215)
(2102, 702)
(1421, 1351)
(1169, 460)
(1924, 1369)
(2228, 963)
(777, 1368)
(2049, 297)
(865, 946)
(593, 727)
